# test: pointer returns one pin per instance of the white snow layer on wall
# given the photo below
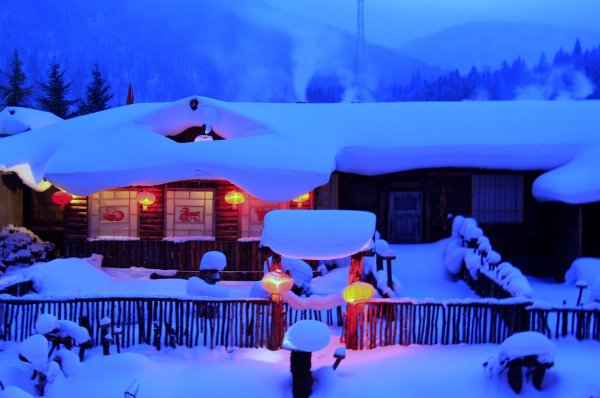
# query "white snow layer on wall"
(279, 151)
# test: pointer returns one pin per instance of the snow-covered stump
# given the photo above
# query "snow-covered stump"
(302, 339)
(106, 338)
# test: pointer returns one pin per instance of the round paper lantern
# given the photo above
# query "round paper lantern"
(301, 199)
(145, 198)
(235, 198)
(277, 282)
(358, 291)
(62, 198)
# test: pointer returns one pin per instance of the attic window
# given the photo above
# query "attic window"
(498, 198)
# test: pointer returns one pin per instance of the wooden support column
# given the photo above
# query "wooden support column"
(277, 326)
(353, 309)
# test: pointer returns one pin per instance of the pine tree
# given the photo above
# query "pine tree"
(55, 92)
(15, 93)
(97, 94)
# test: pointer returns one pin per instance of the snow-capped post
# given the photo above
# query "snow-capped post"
(105, 335)
(302, 339)
(581, 285)
(339, 355)
(276, 283)
(156, 339)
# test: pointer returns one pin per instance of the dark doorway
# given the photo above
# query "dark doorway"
(404, 217)
(590, 230)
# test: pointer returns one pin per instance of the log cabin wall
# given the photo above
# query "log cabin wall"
(226, 216)
(545, 243)
(152, 222)
(11, 200)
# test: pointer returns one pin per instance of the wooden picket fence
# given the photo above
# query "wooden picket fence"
(247, 322)
(403, 322)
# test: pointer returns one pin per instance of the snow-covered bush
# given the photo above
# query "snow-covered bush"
(457, 223)
(20, 247)
(473, 263)
(213, 261)
(584, 268)
(197, 287)
(513, 281)
(69, 277)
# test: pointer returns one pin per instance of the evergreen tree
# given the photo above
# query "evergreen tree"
(55, 92)
(15, 93)
(97, 95)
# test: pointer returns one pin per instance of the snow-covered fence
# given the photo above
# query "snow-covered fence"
(230, 323)
(583, 322)
(244, 260)
(404, 322)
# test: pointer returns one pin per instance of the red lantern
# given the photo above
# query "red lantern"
(62, 198)
(234, 198)
(145, 198)
(301, 199)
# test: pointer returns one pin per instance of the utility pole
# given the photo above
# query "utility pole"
(360, 56)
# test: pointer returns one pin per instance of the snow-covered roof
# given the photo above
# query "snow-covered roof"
(279, 151)
(15, 120)
(318, 234)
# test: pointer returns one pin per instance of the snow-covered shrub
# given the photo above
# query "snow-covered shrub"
(513, 281)
(197, 287)
(473, 263)
(20, 247)
(455, 255)
(468, 223)
(494, 258)
(584, 268)
(213, 261)
(69, 277)
(457, 225)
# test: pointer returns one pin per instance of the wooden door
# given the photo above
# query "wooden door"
(404, 217)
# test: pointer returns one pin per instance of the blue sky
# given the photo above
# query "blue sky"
(393, 22)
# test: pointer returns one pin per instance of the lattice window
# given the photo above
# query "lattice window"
(190, 213)
(252, 214)
(498, 198)
(113, 214)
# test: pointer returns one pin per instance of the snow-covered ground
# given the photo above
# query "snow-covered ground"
(413, 371)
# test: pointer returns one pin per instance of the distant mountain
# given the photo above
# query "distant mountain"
(231, 50)
(487, 44)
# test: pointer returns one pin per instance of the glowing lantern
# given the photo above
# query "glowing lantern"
(62, 198)
(235, 198)
(301, 199)
(145, 198)
(277, 282)
(358, 291)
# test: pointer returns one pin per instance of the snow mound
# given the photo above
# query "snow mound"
(35, 349)
(197, 287)
(46, 323)
(69, 277)
(584, 268)
(306, 336)
(213, 260)
(299, 270)
(527, 343)
(14, 392)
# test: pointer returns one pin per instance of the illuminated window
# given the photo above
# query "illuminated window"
(113, 214)
(189, 213)
(252, 215)
(498, 198)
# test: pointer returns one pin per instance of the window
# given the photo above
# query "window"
(252, 215)
(189, 213)
(114, 214)
(498, 198)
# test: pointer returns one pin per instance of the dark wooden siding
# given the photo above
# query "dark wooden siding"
(76, 219)
(152, 224)
(544, 244)
(181, 256)
(226, 217)
(11, 200)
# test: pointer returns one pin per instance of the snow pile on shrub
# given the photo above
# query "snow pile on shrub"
(197, 287)
(213, 261)
(19, 246)
(513, 281)
(69, 277)
(584, 268)
(521, 345)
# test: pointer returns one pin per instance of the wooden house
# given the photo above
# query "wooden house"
(518, 167)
